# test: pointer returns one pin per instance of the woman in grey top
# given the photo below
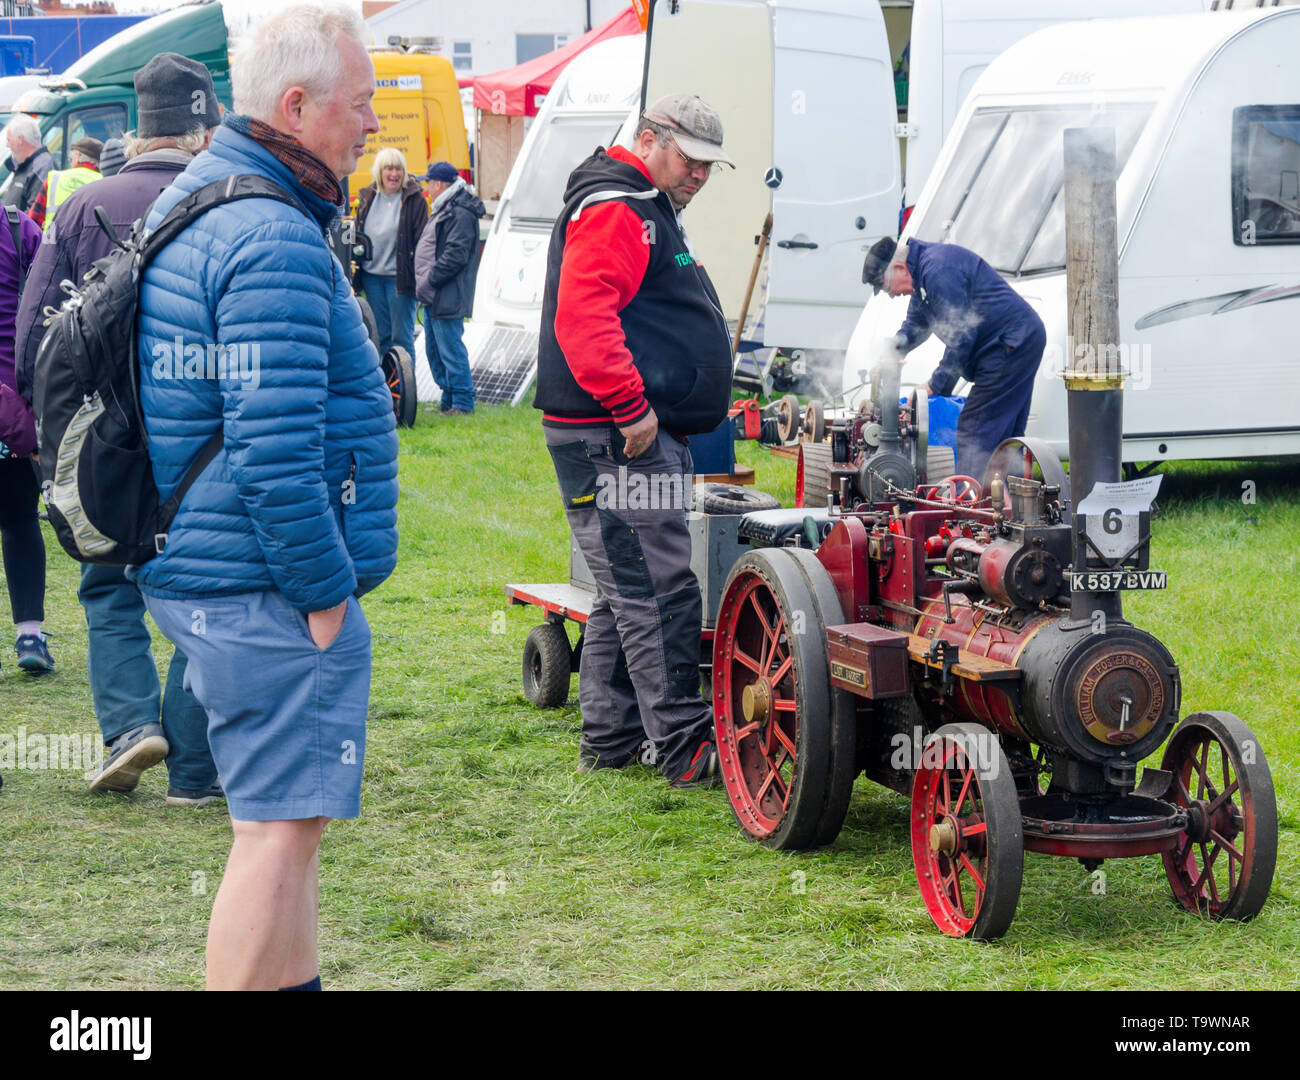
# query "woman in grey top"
(391, 212)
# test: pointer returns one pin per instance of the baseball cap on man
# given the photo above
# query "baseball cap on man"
(443, 171)
(877, 262)
(696, 128)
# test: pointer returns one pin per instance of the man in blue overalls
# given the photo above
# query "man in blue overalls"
(994, 339)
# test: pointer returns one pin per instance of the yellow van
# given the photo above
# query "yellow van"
(418, 105)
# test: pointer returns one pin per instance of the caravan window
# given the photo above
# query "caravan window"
(1266, 174)
(1001, 195)
(559, 148)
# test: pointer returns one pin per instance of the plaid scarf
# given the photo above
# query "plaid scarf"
(310, 171)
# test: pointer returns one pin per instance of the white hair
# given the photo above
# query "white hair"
(294, 47)
(191, 142)
(26, 128)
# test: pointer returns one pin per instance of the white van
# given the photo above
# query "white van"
(588, 106)
(805, 92)
(1206, 110)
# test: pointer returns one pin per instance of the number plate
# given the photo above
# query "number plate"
(1114, 580)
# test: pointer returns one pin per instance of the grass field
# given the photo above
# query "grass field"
(483, 860)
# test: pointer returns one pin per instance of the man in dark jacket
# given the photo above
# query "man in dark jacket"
(123, 677)
(30, 162)
(994, 339)
(634, 355)
(445, 261)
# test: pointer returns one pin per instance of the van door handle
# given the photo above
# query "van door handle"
(796, 244)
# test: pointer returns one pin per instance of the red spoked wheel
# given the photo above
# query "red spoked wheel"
(1223, 864)
(771, 700)
(967, 842)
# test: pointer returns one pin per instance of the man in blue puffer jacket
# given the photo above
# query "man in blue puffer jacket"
(296, 516)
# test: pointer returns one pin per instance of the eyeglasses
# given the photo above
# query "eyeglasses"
(691, 164)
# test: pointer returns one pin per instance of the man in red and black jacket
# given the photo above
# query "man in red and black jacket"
(634, 355)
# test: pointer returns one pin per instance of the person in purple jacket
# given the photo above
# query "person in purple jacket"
(141, 724)
(20, 529)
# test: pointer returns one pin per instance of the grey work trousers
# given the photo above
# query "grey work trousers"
(639, 676)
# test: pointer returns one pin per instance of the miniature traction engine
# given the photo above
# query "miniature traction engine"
(962, 642)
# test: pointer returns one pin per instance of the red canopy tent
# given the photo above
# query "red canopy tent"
(515, 91)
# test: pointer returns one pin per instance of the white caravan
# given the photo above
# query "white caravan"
(587, 107)
(1206, 110)
(953, 41)
(806, 91)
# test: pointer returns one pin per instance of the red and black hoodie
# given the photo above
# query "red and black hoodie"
(630, 320)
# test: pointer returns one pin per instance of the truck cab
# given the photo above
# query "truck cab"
(95, 97)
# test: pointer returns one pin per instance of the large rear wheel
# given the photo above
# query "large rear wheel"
(771, 700)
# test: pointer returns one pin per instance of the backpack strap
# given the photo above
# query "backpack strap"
(230, 189)
(177, 220)
(14, 227)
(168, 510)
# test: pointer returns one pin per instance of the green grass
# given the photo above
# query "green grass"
(482, 859)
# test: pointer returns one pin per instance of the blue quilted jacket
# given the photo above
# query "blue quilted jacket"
(302, 498)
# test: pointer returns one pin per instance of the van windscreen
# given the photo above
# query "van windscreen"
(1002, 193)
(561, 145)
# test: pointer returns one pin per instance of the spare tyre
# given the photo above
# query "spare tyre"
(731, 499)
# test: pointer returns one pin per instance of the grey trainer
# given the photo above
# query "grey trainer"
(129, 755)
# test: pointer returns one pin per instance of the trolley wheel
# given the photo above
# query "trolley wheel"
(967, 842)
(732, 499)
(787, 418)
(812, 480)
(399, 373)
(548, 664)
(771, 700)
(814, 422)
(1223, 864)
(368, 318)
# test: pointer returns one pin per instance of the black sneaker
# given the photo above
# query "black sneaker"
(177, 796)
(589, 764)
(130, 754)
(702, 772)
(33, 654)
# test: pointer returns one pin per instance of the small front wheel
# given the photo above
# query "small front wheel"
(548, 665)
(967, 841)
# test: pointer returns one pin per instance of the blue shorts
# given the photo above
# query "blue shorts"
(286, 720)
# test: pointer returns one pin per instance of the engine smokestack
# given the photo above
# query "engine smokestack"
(1094, 378)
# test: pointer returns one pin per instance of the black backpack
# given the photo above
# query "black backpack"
(95, 473)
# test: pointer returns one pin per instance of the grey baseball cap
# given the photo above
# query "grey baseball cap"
(696, 128)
